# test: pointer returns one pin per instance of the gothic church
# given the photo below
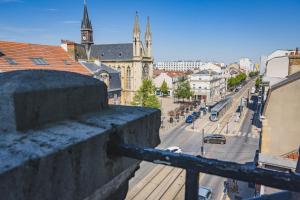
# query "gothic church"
(133, 60)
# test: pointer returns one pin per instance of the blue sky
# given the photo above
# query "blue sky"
(219, 30)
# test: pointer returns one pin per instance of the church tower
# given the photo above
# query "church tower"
(86, 31)
(137, 46)
(148, 39)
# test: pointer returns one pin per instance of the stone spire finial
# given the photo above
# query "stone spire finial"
(136, 29)
(148, 28)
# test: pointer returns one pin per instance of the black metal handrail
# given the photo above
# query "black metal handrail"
(195, 164)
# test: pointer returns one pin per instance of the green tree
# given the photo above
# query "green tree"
(145, 96)
(164, 88)
(183, 91)
(234, 81)
(252, 74)
(257, 82)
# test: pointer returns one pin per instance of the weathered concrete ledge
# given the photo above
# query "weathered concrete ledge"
(32, 98)
(67, 159)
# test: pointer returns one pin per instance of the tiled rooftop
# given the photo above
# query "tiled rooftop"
(21, 56)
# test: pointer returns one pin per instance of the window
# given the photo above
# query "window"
(128, 78)
(145, 73)
(11, 61)
(39, 61)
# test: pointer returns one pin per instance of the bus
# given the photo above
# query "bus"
(219, 109)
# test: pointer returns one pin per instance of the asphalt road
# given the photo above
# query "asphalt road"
(237, 148)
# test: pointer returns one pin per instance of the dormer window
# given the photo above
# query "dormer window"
(1, 54)
(120, 54)
(11, 61)
(102, 54)
(39, 61)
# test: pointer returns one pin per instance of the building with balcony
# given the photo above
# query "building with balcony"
(208, 86)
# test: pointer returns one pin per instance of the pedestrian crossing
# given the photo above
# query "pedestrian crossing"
(241, 134)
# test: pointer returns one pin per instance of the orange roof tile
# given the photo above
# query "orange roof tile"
(22, 53)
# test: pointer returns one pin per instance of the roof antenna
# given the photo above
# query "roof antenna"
(85, 2)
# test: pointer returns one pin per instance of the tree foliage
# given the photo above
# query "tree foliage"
(145, 96)
(164, 88)
(183, 91)
(257, 82)
(252, 74)
(234, 81)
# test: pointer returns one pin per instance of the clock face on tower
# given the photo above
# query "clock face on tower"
(84, 37)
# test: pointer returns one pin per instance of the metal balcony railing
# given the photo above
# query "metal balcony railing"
(193, 165)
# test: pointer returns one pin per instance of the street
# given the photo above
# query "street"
(153, 181)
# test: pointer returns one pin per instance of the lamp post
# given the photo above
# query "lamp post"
(202, 145)
(227, 128)
(193, 123)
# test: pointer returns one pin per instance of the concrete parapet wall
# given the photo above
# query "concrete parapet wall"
(67, 159)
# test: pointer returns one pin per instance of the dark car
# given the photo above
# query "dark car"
(189, 119)
(215, 139)
(196, 114)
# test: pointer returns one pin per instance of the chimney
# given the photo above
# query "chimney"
(296, 52)
(69, 47)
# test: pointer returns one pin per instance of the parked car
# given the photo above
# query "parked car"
(196, 114)
(174, 149)
(215, 139)
(189, 119)
(204, 193)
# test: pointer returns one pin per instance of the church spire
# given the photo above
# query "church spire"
(148, 33)
(86, 23)
(137, 44)
(86, 31)
(148, 39)
(136, 29)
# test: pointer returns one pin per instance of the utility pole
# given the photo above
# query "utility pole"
(202, 145)
(193, 123)
(227, 128)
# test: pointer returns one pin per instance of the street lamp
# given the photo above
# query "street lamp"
(202, 147)
(227, 128)
(193, 124)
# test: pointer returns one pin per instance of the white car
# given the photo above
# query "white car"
(204, 193)
(174, 149)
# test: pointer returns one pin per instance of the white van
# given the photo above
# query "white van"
(204, 193)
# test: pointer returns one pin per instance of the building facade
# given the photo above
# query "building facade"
(280, 127)
(109, 76)
(171, 78)
(179, 65)
(247, 65)
(208, 86)
(133, 60)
